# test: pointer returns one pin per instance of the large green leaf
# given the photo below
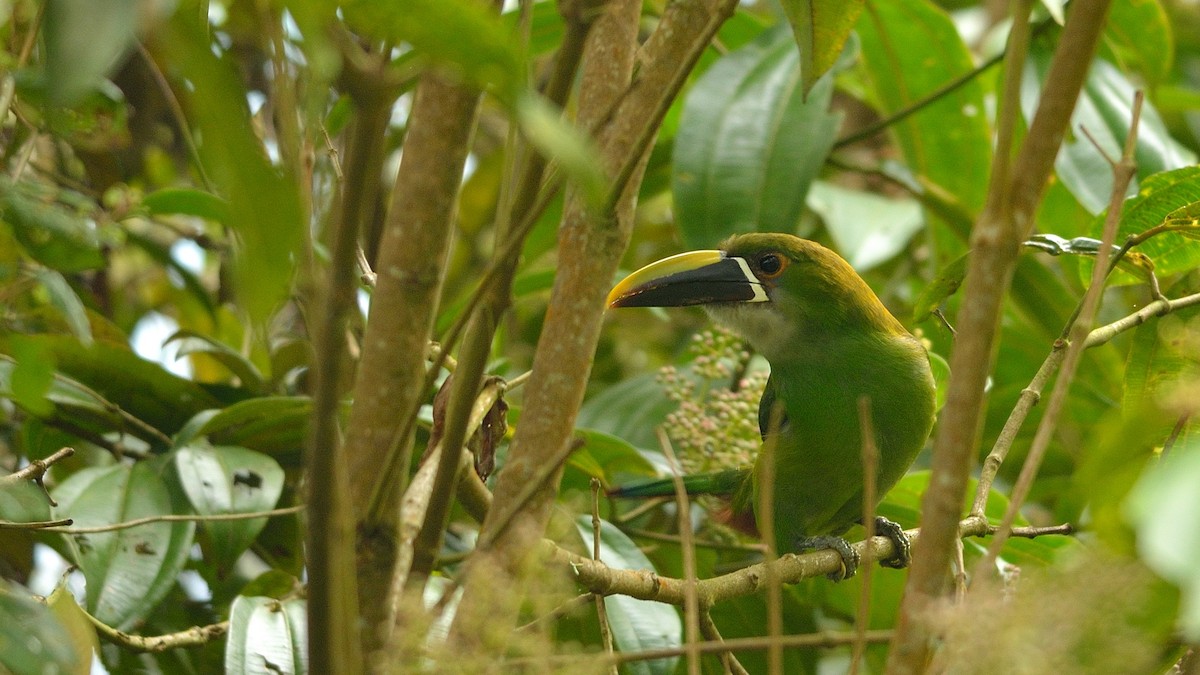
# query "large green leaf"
(271, 424)
(821, 28)
(637, 625)
(223, 480)
(1138, 35)
(32, 640)
(1105, 110)
(1161, 196)
(750, 143)
(1163, 362)
(267, 637)
(910, 50)
(128, 571)
(187, 201)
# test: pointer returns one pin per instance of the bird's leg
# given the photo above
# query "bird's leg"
(903, 555)
(850, 557)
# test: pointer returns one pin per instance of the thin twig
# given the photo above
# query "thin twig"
(729, 661)
(45, 525)
(36, 471)
(195, 636)
(178, 518)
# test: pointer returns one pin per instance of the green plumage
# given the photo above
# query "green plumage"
(830, 342)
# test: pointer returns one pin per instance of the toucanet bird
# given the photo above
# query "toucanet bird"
(829, 341)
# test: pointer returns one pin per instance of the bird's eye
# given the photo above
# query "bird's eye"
(770, 264)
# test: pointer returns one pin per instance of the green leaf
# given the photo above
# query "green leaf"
(461, 35)
(605, 457)
(85, 40)
(867, 229)
(266, 636)
(192, 342)
(82, 634)
(271, 424)
(821, 28)
(750, 143)
(1105, 110)
(54, 235)
(28, 381)
(637, 625)
(1162, 197)
(21, 501)
(32, 640)
(64, 299)
(128, 571)
(544, 127)
(944, 285)
(1162, 363)
(1163, 498)
(912, 49)
(223, 480)
(272, 584)
(187, 202)
(1138, 36)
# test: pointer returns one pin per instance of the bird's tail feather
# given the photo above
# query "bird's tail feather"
(724, 482)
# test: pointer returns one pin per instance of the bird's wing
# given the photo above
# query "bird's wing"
(766, 408)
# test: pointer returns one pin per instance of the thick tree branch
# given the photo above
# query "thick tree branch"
(391, 374)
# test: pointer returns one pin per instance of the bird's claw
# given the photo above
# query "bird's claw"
(843, 548)
(900, 541)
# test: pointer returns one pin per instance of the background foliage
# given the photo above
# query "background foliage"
(176, 177)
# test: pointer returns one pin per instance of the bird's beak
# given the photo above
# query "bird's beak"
(695, 278)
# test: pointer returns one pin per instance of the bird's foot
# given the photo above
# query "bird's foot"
(903, 555)
(849, 556)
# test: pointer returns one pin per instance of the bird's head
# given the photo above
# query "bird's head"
(776, 290)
